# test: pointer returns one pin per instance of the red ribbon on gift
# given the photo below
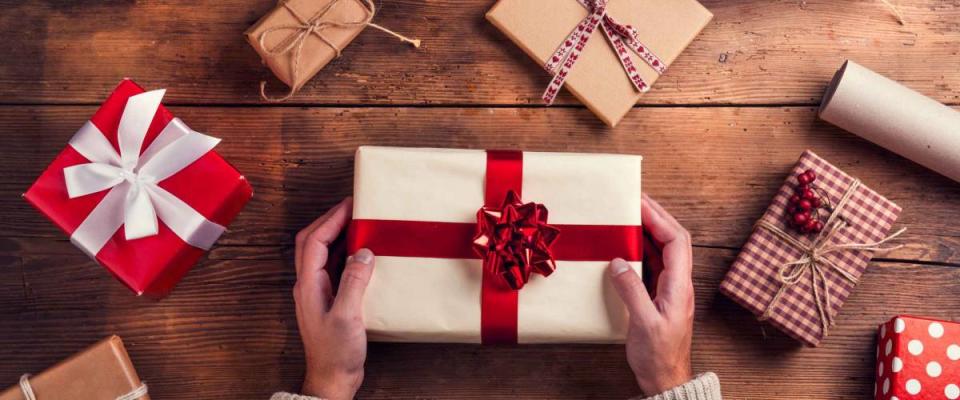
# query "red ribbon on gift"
(498, 301)
(621, 36)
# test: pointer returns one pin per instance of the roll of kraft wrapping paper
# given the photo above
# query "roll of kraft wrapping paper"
(895, 117)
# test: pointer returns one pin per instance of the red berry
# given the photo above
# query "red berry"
(804, 179)
(818, 227)
(811, 176)
(811, 225)
(794, 199)
(808, 194)
(801, 218)
(805, 204)
(816, 202)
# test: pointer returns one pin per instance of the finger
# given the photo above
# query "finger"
(353, 283)
(652, 263)
(301, 237)
(313, 299)
(675, 282)
(658, 222)
(313, 248)
(631, 290)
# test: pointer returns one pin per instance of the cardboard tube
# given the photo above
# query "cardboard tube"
(894, 117)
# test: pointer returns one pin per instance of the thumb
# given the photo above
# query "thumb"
(353, 282)
(630, 287)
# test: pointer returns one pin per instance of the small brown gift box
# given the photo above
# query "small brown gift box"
(788, 281)
(280, 29)
(598, 79)
(101, 372)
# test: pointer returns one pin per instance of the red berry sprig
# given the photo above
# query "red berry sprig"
(803, 208)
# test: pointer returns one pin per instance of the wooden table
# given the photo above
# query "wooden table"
(719, 133)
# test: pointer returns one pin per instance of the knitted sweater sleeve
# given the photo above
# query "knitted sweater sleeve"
(291, 396)
(703, 387)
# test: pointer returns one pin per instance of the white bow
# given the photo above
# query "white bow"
(135, 201)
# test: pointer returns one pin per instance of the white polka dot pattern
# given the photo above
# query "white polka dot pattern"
(915, 347)
(952, 391)
(918, 358)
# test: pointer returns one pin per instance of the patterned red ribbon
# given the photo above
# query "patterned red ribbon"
(621, 36)
(498, 304)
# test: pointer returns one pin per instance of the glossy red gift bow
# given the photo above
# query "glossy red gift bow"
(621, 36)
(498, 304)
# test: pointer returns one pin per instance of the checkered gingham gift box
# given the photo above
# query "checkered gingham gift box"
(753, 278)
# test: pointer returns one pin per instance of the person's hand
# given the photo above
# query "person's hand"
(661, 329)
(334, 337)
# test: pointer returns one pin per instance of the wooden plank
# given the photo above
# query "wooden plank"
(229, 331)
(715, 168)
(754, 52)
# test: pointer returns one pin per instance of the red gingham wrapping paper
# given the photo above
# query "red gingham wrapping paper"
(918, 358)
(752, 280)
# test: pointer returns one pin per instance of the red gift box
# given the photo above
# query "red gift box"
(918, 358)
(183, 208)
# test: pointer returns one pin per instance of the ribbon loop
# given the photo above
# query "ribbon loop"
(514, 241)
(621, 37)
(135, 200)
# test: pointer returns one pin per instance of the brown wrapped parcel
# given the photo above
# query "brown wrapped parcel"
(598, 79)
(101, 372)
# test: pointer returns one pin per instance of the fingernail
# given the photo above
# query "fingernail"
(619, 266)
(363, 256)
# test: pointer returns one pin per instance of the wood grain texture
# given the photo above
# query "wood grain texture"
(229, 331)
(754, 52)
(718, 132)
(715, 168)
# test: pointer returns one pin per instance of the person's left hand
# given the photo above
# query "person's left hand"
(332, 329)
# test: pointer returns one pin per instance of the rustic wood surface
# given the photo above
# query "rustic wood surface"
(718, 133)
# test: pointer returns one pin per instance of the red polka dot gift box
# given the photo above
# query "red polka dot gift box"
(139, 191)
(918, 358)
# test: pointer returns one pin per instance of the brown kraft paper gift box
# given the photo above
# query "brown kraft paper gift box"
(769, 276)
(598, 79)
(315, 53)
(101, 372)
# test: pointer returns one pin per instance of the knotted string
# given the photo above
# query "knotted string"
(314, 25)
(29, 395)
(896, 11)
(814, 260)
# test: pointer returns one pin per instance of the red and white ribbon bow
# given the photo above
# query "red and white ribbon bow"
(621, 36)
(135, 201)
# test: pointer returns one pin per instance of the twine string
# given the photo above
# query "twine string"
(28, 394)
(895, 10)
(814, 261)
(314, 26)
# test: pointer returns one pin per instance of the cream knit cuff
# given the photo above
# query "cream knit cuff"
(291, 396)
(703, 387)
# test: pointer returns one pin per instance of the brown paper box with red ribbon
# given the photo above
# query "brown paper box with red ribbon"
(606, 52)
(495, 247)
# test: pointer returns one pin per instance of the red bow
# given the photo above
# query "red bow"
(514, 240)
(621, 37)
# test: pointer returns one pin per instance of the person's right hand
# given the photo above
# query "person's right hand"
(661, 328)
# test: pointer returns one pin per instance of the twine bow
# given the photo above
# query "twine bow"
(28, 394)
(814, 260)
(314, 25)
(621, 36)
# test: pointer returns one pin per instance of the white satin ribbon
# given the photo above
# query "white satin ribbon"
(135, 201)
